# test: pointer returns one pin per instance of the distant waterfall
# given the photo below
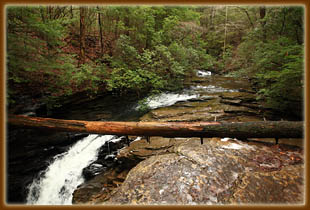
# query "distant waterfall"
(56, 184)
(167, 99)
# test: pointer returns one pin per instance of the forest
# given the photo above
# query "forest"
(55, 52)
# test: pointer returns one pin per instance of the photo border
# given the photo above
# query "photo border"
(3, 113)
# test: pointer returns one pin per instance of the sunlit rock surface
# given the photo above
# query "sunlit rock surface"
(217, 172)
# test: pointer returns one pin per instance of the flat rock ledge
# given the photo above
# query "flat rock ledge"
(217, 172)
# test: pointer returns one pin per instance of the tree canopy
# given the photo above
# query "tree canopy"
(58, 51)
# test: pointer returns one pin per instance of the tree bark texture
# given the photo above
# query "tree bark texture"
(262, 14)
(248, 16)
(260, 129)
(100, 30)
(225, 33)
(82, 34)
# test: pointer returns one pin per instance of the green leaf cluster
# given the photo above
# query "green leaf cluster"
(280, 76)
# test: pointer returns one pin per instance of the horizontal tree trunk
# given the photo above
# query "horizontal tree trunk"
(262, 129)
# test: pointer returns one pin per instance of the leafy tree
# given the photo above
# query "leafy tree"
(281, 74)
(63, 50)
(36, 63)
(32, 48)
(272, 55)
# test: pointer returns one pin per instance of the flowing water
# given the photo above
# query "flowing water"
(64, 174)
(166, 99)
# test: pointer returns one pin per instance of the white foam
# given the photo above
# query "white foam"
(212, 89)
(64, 174)
(232, 146)
(116, 140)
(225, 139)
(167, 99)
(137, 139)
(201, 73)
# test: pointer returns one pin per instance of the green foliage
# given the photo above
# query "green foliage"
(150, 48)
(271, 55)
(36, 62)
(149, 70)
(277, 67)
(281, 74)
(191, 58)
(125, 80)
(32, 46)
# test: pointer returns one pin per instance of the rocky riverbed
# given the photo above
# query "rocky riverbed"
(182, 171)
(219, 171)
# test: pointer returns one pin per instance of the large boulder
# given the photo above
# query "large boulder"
(217, 172)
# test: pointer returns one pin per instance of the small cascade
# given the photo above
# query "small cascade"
(56, 184)
(167, 99)
(212, 89)
(201, 73)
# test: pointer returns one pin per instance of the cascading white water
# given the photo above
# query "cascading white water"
(212, 89)
(201, 73)
(64, 174)
(167, 99)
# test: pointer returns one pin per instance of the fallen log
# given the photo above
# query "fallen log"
(241, 130)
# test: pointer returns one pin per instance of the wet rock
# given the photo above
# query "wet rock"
(217, 172)
(142, 149)
(231, 101)
(202, 98)
(200, 111)
(244, 96)
(93, 170)
(106, 158)
(238, 109)
(29, 106)
(99, 188)
(287, 187)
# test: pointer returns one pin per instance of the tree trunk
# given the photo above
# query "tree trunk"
(49, 12)
(212, 16)
(225, 33)
(82, 35)
(262, 14)
(42, 13)
(100, 30)
(262, 129)
(248, 16)
(284, 11)
(127, 21)
(71, 12)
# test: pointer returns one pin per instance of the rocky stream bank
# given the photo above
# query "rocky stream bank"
(182, 171)
(220, 171)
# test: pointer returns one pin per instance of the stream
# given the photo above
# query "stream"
(207, 97)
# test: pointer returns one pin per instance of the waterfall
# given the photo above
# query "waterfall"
(213, 89)
(167, 99)
(56, 184)
(201, 73)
